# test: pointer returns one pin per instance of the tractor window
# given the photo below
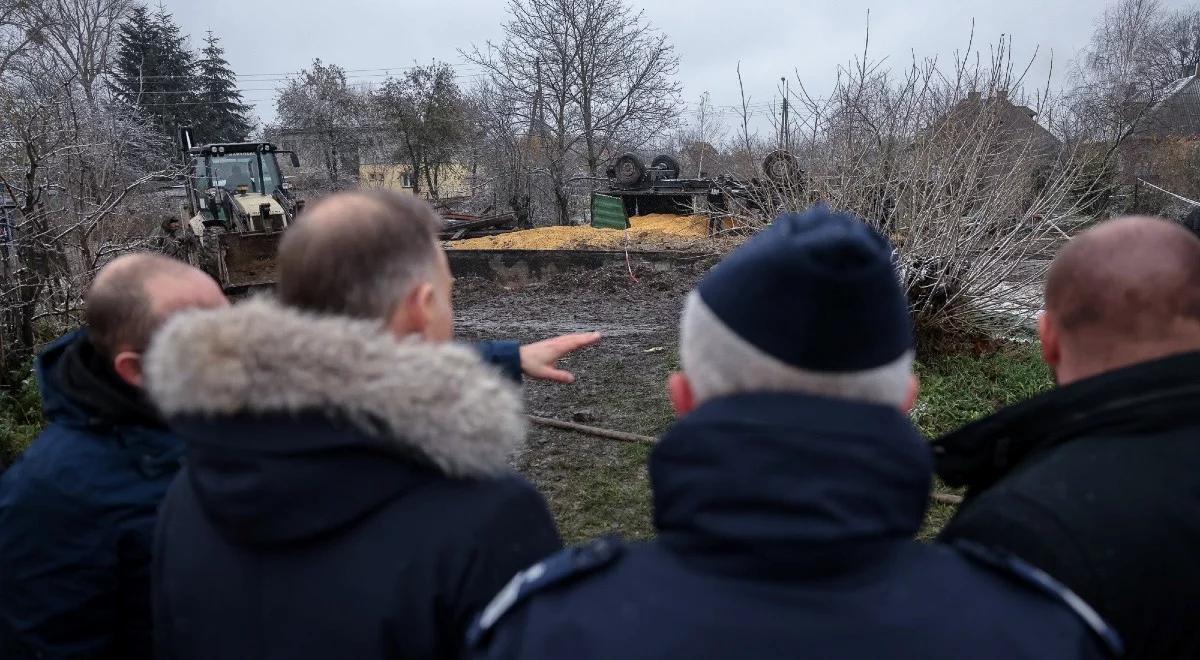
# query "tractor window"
(202, 180)
(232, 170)
(270, 174)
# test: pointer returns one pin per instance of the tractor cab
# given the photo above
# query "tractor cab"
(237, 204)
(239, 187)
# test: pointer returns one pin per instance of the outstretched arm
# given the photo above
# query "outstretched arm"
(538, 360)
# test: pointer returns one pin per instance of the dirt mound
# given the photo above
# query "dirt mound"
(646, 231)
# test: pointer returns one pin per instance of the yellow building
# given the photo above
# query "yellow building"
(452, 180)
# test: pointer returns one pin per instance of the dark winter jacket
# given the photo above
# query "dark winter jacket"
(77, 515)
(1098, 484)
(346, 495)
(785, 526)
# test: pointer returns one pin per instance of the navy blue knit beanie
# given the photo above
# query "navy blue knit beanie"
(817, 290)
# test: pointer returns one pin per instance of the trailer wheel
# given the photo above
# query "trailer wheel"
(667, 164)
(781, 166)
(629, 170)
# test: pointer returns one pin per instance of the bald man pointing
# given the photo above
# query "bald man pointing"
(1098, 481)
(77, 511)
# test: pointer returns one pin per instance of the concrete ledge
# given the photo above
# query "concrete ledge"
(525, 265)
(522, 266)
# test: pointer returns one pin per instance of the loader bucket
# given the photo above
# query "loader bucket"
(248, 260)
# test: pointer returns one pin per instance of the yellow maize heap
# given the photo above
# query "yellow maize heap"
(657, 230)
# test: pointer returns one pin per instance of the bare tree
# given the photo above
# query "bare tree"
(505, 151)
(70, 161)
(952, 164)
(1179, 54)
(624, 70)
(80, 35)
(21, 29)
(322, 113)
(698, 142)
(584, 75)
(1127, 66)
(424, 110)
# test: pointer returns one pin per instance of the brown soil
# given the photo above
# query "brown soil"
(594, 486)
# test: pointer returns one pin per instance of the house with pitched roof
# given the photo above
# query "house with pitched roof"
(1162, 146)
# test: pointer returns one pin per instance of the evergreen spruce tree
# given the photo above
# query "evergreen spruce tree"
(223, 116)
(179, 105)
(154, 68)
(136, 60)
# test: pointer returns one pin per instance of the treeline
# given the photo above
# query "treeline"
(90, 94)
(155, 71)
(550, 109)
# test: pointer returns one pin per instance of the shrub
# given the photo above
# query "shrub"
(20, 416)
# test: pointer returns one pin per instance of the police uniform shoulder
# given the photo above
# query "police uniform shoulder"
(1034, 578)
(558, 569)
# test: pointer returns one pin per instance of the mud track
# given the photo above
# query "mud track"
(595, 486)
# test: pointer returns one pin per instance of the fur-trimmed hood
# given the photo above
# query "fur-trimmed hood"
(260, 360)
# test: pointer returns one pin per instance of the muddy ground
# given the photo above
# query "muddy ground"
(597, 486)
(594, 486)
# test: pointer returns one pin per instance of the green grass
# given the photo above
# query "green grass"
(959, 388)
(597, 487)
(20, 416)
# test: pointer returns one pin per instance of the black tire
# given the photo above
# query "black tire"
(781, 166)
(667, 164)
(629, 170)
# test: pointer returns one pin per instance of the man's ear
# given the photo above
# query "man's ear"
(1051, 343)
(128, 365)
(679, 389)
(412, 316)
(914, 390)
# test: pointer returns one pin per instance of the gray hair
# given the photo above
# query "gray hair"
(718, 362)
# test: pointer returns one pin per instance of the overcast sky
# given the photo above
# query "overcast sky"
(267, 39)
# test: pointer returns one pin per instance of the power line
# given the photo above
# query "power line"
(288, 74)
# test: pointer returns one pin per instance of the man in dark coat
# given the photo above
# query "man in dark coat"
(1098, 482)
(347, 492)
(77, 510)
(787, 495)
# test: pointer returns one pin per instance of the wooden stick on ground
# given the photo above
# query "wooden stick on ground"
(592, 430)
(941, 498)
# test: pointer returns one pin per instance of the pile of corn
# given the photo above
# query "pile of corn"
(655, 230)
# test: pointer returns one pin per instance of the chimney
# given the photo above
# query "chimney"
(1002, 95)
(973, 97)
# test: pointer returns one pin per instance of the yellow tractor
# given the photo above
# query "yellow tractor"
(238, 205)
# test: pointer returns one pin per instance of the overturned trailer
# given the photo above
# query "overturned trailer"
(660, 189)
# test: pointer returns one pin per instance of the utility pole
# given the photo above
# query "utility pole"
(785, 130)
(536, 128)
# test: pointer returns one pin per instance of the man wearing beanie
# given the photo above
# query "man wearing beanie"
(787, 494)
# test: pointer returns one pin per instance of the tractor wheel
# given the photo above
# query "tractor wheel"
(668, 164)
(781, 166)
(629, 170)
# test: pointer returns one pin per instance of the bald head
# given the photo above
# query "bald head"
(1123, 293)
(133, 296)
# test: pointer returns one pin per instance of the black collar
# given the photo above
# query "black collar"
(789, 483)
(1153, 395)
(87, 378)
